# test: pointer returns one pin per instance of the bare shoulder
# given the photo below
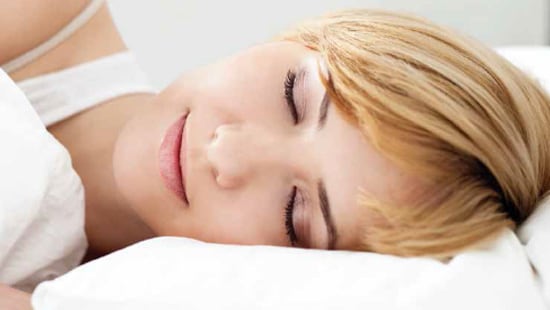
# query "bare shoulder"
(25, 24)
(96, 38)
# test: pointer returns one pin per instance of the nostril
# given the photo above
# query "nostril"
(224, 156)
(214, 136)
(215, 173)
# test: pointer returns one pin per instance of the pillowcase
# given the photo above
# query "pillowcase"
(180, 273)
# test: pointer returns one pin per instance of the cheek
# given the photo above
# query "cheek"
(254, 213)
(247, 218)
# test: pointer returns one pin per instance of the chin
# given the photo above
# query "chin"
(135, 165)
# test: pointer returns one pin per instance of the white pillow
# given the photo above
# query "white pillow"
(534, 60)
(535, 235)
(179, 273)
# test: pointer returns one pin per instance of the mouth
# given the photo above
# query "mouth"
(172, 158)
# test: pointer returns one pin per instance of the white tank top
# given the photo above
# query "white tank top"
(58, 95)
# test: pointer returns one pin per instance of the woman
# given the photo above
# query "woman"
(361, 130)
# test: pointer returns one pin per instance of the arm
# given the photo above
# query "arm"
(13, 299)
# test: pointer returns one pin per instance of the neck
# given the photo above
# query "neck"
(90, 138)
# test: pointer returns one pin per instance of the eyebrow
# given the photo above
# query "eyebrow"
(321, 189)
(323, 109)
(325, 209)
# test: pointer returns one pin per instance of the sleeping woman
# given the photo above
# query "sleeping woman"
(357, 130)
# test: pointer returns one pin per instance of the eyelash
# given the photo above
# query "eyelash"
(290, 80)
(289, 217)
(289, 95)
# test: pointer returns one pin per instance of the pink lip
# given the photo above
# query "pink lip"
(172, 159)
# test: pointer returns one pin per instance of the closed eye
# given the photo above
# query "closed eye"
(289, 217)
(289, 83)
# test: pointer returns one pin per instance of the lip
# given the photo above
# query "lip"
(172, 158)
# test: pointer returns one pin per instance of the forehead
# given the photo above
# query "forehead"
(270, 55)
(352, 165)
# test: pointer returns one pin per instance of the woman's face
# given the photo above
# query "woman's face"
(250, 154)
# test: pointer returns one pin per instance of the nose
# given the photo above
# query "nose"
(239, 152)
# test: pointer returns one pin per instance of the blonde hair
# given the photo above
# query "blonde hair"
(445, 108)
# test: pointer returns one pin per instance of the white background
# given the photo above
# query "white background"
(171, 36)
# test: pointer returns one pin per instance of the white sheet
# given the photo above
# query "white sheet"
(41, 197)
